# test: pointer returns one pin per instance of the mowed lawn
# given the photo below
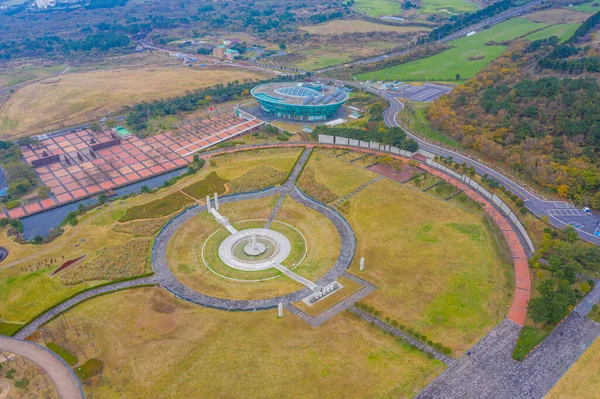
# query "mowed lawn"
(153, 344)
(454, 61)
(582, 380)
(377, 8)
(79, 97)
(341, 177)
(563, 31)
(450, 7)
(436, 266)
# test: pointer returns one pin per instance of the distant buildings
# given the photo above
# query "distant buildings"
(223, 52)
(230, 54)
(45, 3)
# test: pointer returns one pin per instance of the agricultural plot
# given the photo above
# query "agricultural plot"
(563, 31)
(448, 7)
(377, 8)
(463, 59)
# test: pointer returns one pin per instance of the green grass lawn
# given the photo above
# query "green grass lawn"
(454, 61)
(67, 356)
(414, 117)
(341, 177)
(89, 369)
(436, 266)
(563, 31)
(450, 7)
(528, 339)
(592, 6)
(377, 8)
(8, 328)
(211, 184)
(155, 209)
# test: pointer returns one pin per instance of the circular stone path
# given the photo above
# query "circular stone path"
(164, 276)
(282, 246)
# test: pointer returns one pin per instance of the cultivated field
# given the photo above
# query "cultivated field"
(152, 342)
(456, 60)
(592, 6)
(563, 31)
(78, 97)
(339, 27)
(436, 266)
(582, 380)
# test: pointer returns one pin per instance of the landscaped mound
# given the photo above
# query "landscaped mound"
(259, 178)
(312, 187)
(111, 263)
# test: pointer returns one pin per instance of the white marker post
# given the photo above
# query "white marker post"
(208, 203)
(280, 310)
(362, 264)
(216, 202)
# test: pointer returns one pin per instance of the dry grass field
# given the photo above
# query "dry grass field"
(557, 16)
(436, 266)
(151, 342)
(339, 27)
(582, 380)
(79, 97)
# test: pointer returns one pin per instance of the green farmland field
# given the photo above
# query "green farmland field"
(454, 61)
(450, 7)
(377, 8)
(563, 31)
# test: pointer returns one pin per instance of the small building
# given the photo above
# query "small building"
(122, 132)
(231, 54)
(219, 51)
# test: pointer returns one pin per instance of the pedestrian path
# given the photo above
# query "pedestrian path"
(296, 277)
(275, 210)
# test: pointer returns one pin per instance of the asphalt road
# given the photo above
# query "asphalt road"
(559, 213)
(64, 379)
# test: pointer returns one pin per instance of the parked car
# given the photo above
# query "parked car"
(587, 211)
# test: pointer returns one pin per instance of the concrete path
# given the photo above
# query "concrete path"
(490, 372)
(295, 276)
(64, 378)
(5, 389)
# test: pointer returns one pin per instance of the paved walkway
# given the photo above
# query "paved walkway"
(295, 276)
(339, 307)
(164, 276)
(64, 379)
(490, 371)
(275, 211)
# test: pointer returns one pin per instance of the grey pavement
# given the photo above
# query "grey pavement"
(339, 307)
(490, 372)
(62, 376)
(164, 276)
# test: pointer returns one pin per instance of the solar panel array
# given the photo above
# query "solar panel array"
(328, 99)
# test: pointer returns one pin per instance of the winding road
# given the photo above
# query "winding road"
(559, 213)
(64, 378)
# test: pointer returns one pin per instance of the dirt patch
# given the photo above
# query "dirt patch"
(159, 306)
(398, 175)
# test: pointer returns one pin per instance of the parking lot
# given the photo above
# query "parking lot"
(423, 93)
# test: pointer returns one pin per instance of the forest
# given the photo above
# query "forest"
(546, 128)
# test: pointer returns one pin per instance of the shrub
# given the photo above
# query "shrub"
(12, 204)
(282, 137)
(520, 202)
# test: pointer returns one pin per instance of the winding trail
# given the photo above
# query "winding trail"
(64, 378)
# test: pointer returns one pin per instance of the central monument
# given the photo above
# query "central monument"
(254, 248)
